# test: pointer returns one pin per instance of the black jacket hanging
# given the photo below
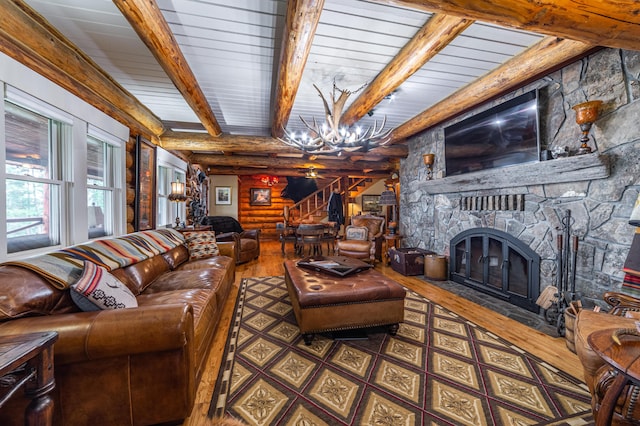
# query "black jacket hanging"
(335, 209)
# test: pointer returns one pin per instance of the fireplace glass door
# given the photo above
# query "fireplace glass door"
(496, 263)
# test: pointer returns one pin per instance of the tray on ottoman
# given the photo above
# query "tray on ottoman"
(334, 265)
(408, 261)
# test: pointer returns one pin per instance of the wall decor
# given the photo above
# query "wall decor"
(145, 206)
(370, 204)
(260, 197)
(223, 195)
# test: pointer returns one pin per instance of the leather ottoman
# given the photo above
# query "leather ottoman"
(322, 302)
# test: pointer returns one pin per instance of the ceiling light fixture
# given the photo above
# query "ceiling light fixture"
(311, 173)
(269, 180)
(333, 137)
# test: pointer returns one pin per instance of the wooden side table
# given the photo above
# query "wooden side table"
(390, 241)
(27, 360)
(624, 359)
(194, 228)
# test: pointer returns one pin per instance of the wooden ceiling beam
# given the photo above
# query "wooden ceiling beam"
(29, 39)
(435, 35)
(613, 24)
(326, 173)
(539, 59)
(269, 163)
(300, 27)
(147, 20)
(181, 141)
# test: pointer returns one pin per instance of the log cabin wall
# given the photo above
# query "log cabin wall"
(264, 218)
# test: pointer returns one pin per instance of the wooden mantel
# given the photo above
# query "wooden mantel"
(571, 169)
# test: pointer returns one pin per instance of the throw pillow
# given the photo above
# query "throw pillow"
(97, 289)
(356, 233)
(202, 244)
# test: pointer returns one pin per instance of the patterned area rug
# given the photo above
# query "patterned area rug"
(440, 369)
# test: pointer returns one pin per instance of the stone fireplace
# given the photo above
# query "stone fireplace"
(496, 263)
(528, 201)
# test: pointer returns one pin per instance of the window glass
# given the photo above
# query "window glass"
(27, 142)
(33, 196)
(100, 187)
(32, 215)
(169, 211)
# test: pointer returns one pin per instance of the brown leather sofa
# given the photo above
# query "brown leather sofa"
(597, 375)
(135, 366)
(229, 229)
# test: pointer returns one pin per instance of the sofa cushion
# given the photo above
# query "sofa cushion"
(176, 256)
(97, 289)
(202, 244)
(24, 293)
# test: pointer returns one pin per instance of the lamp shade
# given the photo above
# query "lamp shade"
(177, 191)
(388, 198)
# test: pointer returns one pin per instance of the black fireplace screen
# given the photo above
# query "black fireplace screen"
(496, 263)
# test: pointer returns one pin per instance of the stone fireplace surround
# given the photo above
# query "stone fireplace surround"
(600, 188)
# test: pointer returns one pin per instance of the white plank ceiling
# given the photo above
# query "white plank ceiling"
(233, 48)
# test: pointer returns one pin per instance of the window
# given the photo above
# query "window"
(35, 148)
(168, 211)
(101, 186)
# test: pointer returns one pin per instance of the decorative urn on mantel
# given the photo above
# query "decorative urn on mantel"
(586, 115)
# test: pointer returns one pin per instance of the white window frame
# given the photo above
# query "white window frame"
(25, 87)
(177, 169)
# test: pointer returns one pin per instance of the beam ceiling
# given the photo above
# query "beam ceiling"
(582, 26)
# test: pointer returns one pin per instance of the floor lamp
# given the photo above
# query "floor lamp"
(177, 195)
(388, 198)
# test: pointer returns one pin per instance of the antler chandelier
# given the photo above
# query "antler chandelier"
(332, 136)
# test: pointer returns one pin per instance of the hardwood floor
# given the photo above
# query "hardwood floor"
(551, 349)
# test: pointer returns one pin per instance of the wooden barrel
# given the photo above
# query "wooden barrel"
(435, 267)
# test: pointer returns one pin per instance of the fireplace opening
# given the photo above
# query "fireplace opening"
(498, 264)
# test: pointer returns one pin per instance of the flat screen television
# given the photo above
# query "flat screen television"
(503, 135)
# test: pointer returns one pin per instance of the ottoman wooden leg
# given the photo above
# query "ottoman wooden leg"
(393, 329)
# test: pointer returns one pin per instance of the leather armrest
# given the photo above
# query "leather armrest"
(85, 336)
(227, 248)
(253, 234)
(229, 236)
(621, 303)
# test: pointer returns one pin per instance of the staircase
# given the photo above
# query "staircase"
(315, 204)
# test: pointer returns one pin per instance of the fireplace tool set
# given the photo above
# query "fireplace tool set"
(565, 290)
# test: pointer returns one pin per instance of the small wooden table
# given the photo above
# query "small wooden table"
(390, 241)
(625, 359)
(27, 360)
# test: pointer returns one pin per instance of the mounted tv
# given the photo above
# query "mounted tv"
(504, 135)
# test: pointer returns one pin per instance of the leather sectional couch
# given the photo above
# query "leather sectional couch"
(133, 366)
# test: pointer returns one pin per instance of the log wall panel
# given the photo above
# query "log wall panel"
(264, 218)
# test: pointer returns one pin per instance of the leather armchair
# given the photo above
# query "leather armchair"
(247, 242)
(368, 247)
(597, 373)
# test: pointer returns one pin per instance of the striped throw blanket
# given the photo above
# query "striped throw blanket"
(63, 267)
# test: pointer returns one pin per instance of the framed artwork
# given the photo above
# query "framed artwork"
(370, 204)
(260, 197)
(145, 206)
(223, 195)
